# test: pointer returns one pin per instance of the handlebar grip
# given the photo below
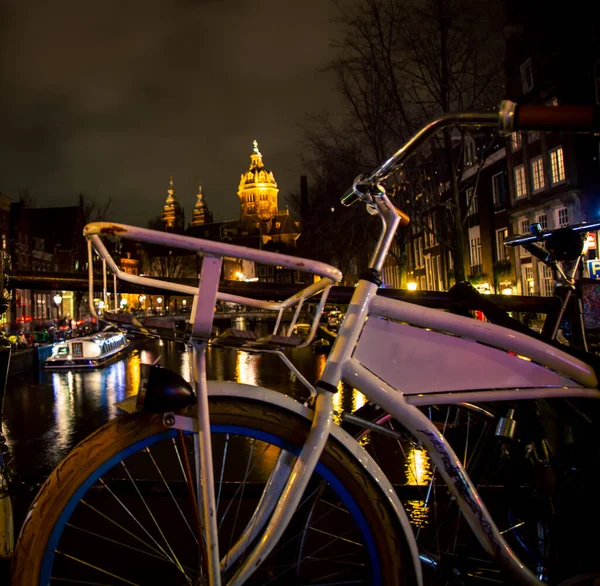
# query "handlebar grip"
(565, 118)
(404, 218)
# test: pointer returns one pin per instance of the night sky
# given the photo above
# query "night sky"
(110, 98)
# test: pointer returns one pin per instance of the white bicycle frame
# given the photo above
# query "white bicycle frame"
(399, 355)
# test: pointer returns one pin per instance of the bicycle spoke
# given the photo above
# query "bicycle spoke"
(125, 545)
(80, 561)
(223, 461)
(110, 520)
(171, 495)
(174, 558)
(137, 521)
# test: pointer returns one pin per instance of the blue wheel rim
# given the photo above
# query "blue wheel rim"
(321, 470)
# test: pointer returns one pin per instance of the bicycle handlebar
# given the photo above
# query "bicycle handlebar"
(521, 239)
(562, 118)
(511, 117)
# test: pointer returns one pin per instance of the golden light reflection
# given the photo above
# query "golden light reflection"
(418, 467)
(246, 367)
(186, 364)
(132, 377)
(418, 513)
(418, 473)
(321, 361)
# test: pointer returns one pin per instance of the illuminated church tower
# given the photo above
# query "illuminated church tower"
(172, 213)
(201, 214)
(258, 189)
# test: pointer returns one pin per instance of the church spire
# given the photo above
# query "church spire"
(256, 161)
(172, 213)
(201, 214)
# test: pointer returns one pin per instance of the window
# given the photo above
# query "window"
(537, 174)
(523, 228)
(546, 280)
(552, 102)
(527, 273)
(520, 182)
(516, 140)
(527, 76)
(499, 190)
(472, 202)
(532, 137)
(562, 216)
(469, 156)
(542, 220)
(501, 250)
(557, 165)
(475, 250)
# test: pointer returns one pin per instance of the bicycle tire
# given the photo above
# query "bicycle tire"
(131, 434)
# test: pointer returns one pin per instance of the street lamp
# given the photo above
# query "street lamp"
(58, 301)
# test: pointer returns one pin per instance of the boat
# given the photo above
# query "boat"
(89, 351)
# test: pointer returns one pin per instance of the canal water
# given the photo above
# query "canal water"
(47, 413)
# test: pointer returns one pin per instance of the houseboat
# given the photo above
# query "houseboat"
(89, 351)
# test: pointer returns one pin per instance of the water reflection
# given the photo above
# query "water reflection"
(47, 413)
(418, 473)
(246, 368)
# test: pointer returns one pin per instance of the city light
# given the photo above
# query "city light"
(58, 299)
(507, 291)
(412, 286)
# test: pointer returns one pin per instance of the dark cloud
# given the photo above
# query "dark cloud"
(110, 98)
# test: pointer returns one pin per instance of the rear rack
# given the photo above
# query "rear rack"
(206, 293)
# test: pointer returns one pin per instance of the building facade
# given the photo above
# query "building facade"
(507, 184)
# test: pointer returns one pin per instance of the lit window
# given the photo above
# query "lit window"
(520, 181)
(516, 141)
(542, 220)
(552, 102)
(563, 217)
(527, 76)
(523, 230)
(537, 174)
(546, 280)
(528, 286)
(475, 250)
(501, 251)
(557, 165)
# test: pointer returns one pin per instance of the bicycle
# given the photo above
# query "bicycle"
(310, 506)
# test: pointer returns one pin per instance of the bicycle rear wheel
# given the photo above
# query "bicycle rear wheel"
(505, 478)
(118, 509)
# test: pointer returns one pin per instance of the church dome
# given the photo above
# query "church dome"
(258, 189)
(257, 172)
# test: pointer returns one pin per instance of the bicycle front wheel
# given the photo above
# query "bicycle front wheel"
(120, 509)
